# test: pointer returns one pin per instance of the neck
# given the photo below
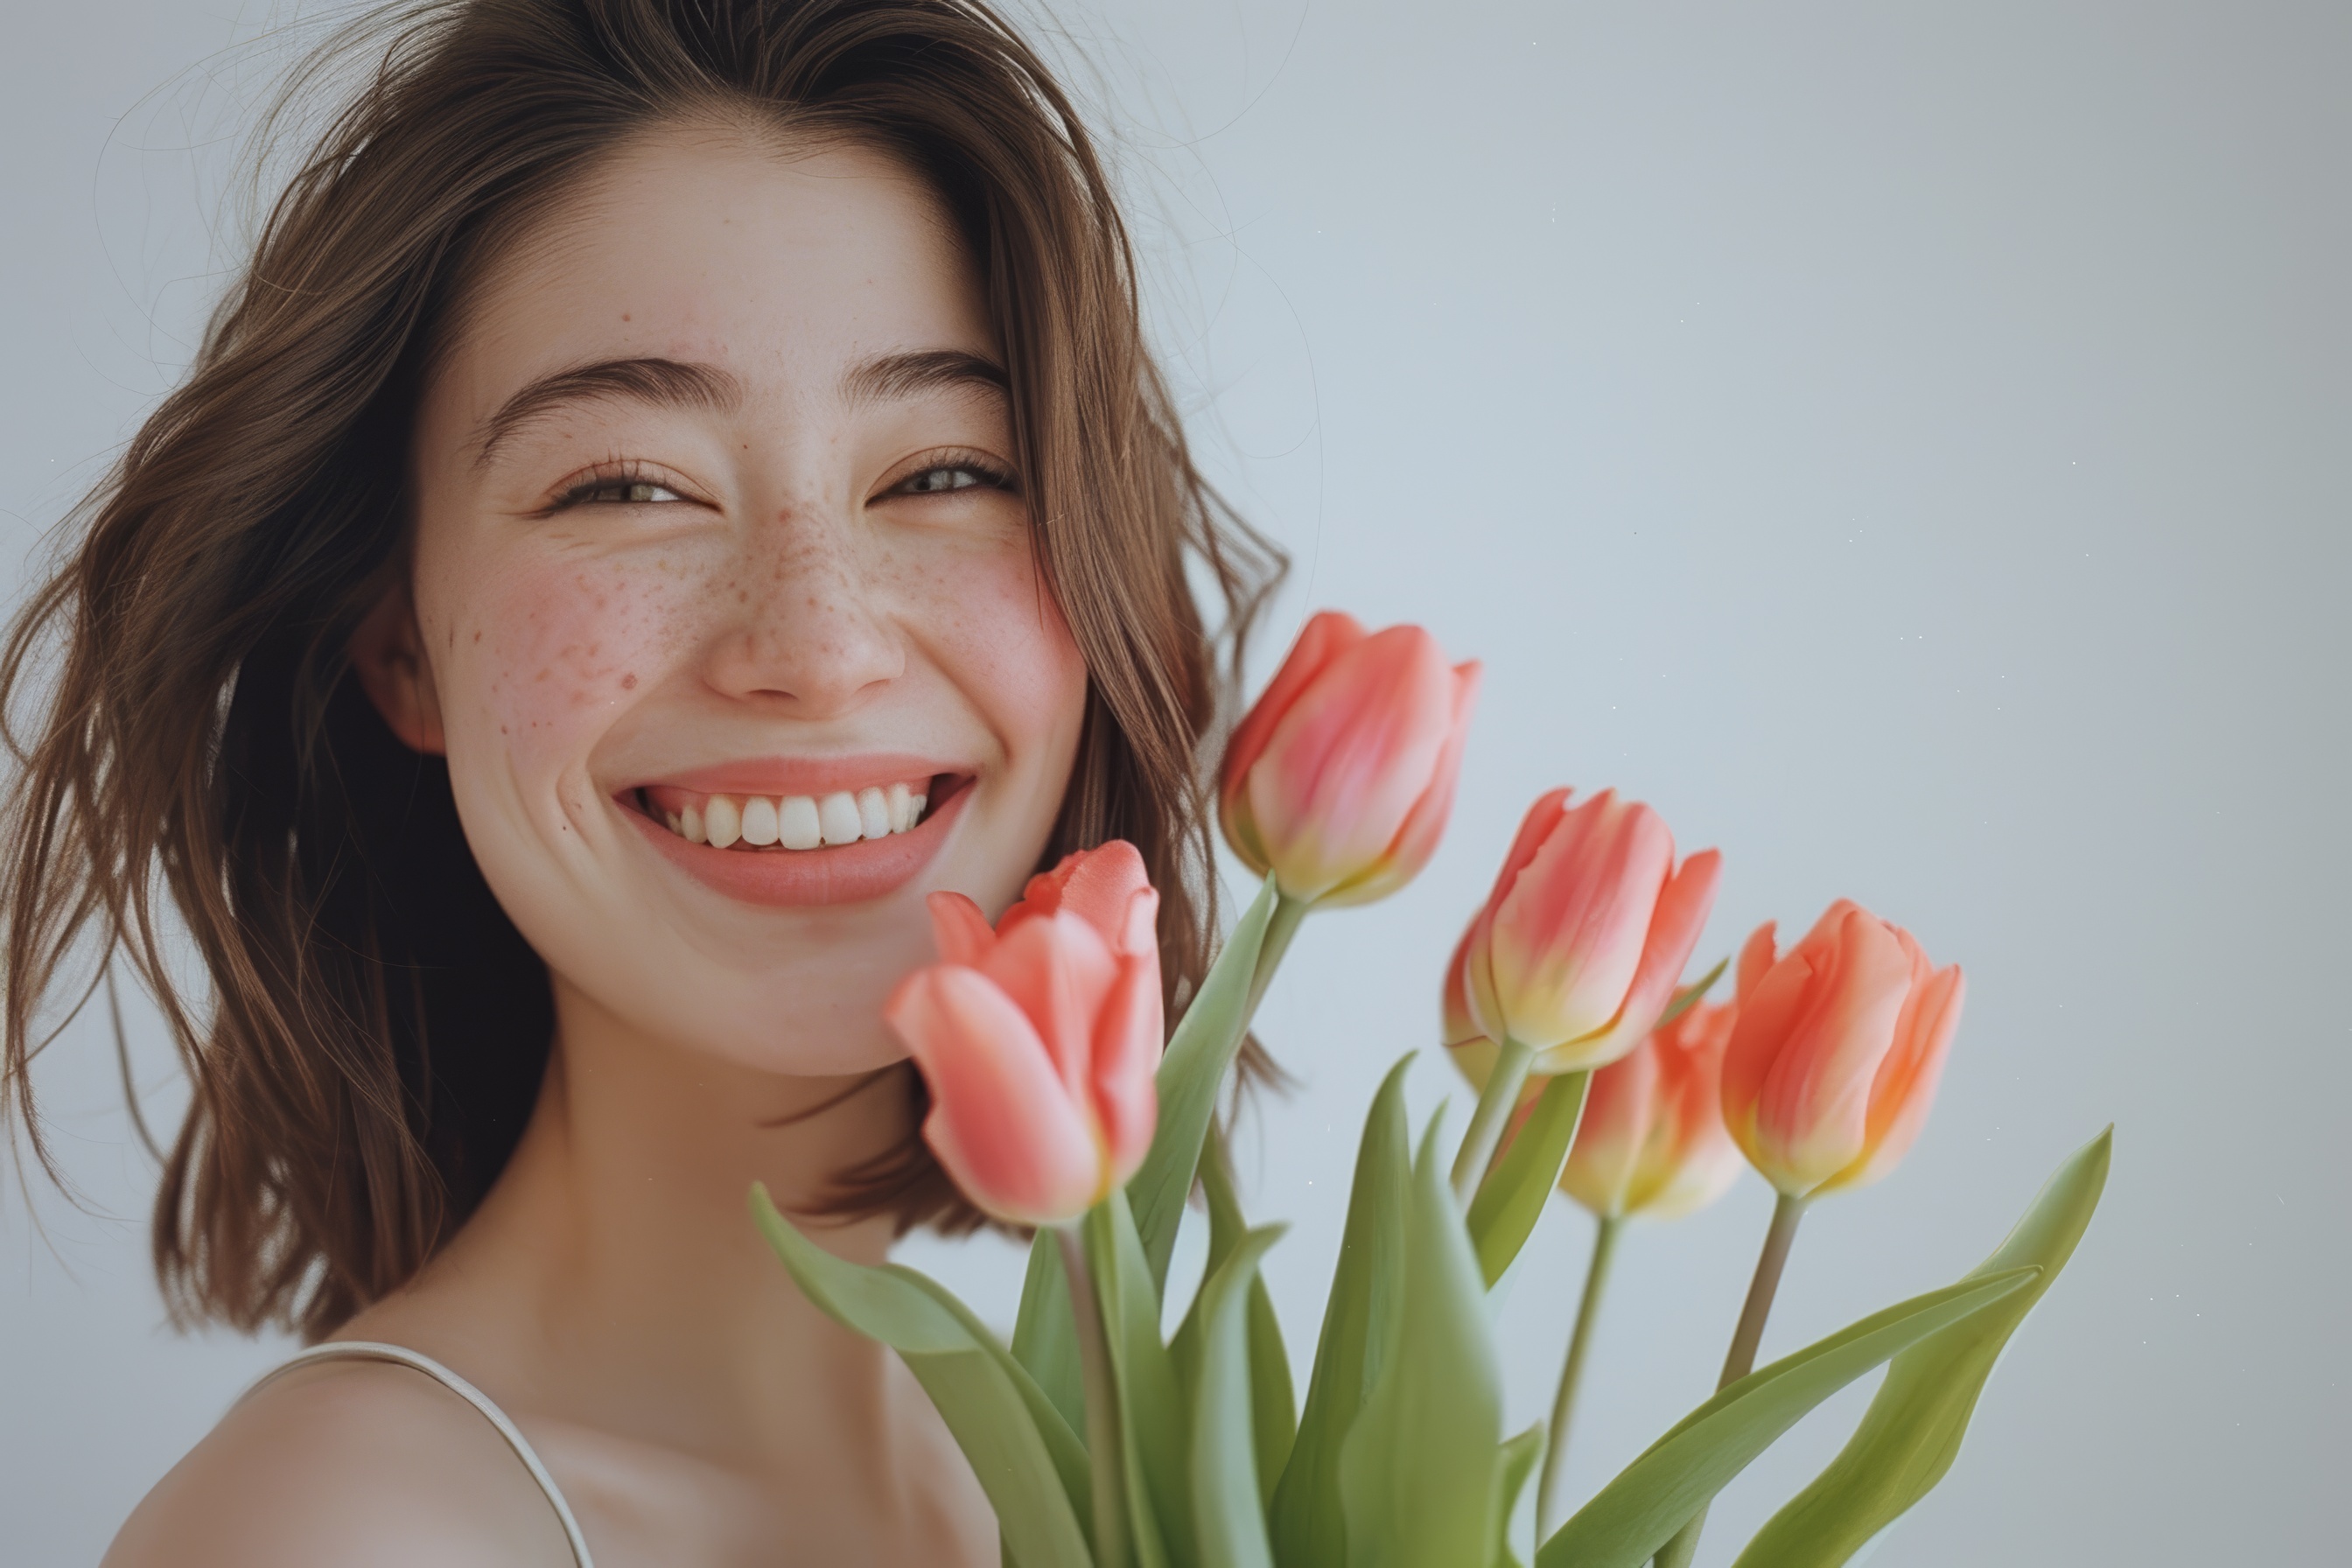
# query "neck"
(614, 1276)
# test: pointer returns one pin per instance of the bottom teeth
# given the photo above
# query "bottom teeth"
(796, 821)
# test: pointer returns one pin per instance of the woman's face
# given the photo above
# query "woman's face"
(726, 610)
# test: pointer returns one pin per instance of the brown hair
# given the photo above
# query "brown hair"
(379, 1028)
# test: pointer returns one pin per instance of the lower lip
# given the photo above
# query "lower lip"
(851, 874)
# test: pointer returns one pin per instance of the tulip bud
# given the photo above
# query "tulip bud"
(1653, 1143)
(1339, 780)
(1835, 1058)
(1576, 953)
(1039, 1040)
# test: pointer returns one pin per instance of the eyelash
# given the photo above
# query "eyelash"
(630, 476)
(614, 477)
(984, 473)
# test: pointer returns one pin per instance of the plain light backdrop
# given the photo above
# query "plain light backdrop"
(1906, 444)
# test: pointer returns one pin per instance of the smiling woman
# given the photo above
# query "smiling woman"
(676, 486)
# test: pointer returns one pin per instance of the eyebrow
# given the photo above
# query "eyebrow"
(892, 377)
(662, 382)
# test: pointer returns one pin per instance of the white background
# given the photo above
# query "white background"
(1905, 444)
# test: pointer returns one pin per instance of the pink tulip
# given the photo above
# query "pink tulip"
(1652, 1141)
(1578, 949)
(1840, 1041)
(1338, 781)
(1039, 1038)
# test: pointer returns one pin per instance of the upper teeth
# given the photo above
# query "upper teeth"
(799, 821)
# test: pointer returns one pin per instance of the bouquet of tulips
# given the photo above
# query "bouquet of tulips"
(1104, 1444)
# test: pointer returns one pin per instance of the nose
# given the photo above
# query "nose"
(803, 627)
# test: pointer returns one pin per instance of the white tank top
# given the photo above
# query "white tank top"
(369, 1350)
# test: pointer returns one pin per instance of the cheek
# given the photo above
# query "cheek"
(550, 650)
(996, 629)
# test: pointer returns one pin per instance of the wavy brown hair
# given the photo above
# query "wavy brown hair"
(191, 739)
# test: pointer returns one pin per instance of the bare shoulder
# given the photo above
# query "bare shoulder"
(346, 1464)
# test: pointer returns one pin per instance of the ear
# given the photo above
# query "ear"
(388, 653)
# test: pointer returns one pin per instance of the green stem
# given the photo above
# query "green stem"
(1496, 1103)
(1280, 927)
(1563, 1405)
(1105, 1462)
(1740, 1360)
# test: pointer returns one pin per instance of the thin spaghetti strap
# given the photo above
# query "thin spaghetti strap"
(370, 1349)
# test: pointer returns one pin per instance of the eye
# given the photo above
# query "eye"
(618, 491)
(962, 474)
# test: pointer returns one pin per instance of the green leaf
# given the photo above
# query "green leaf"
(1691, 995)
(1653, 1497)
(1273, 1400)
(1511, 1199)
(1228, 1514)
(1521, 1455)
(1044, 1336)
(1028, 1461)
(1912, 1431)
(1199, 1053)
(1309, 1530)
(1152, 1414)
(1421, 1476)
(1202, 1047)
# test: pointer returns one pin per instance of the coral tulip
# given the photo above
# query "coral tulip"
(1039, 1038)
(1839, 1044)
(1588, 926)
(1653, 1143)
(1339, 780)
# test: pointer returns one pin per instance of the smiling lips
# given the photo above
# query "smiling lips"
(796, 834)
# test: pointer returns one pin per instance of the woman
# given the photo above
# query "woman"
(678, 483)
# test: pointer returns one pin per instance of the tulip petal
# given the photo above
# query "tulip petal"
(1694, 1161)
(1128, 1034)
(1478, 969)
(1425, 826)
(1620, 1109)
(1456, 1023)
(1756, 954)
(1056, 969)
(1325, 635)
(1681, 914)
(1905, 1088)
(1345, 765)
(1811, 1118)
(1568, 938)
(1002, 1123)
(1098, 885)
(959, 928)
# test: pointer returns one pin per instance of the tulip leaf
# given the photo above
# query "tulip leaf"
(1228, 1508)
(1309, 1526)
(1691, 995)
(1273, 1400)
(1521, 1455)
(1202, 1047)
(1912, 1432)
(1027, 1457)
(1421, 1476)
(1045, 1338)
(1152, 1410)
(1199, 1052)
(1656, 1495)
(1511, 1199)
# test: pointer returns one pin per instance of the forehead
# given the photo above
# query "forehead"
(780, 261)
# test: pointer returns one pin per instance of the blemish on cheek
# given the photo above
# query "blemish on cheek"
(629, 683)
